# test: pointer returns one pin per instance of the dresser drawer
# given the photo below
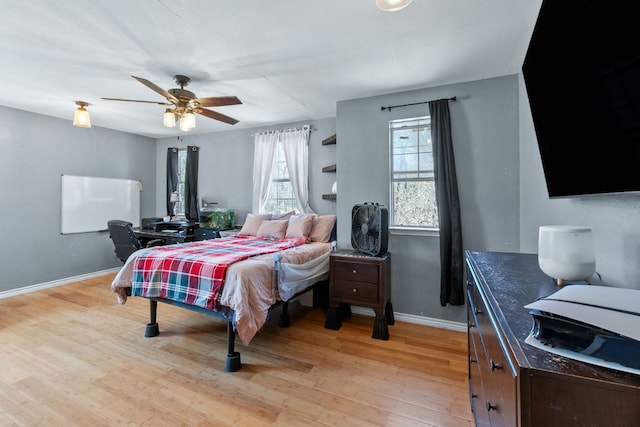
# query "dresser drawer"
(496, 397)
(355, 292)
(356, 271)
(476, 358)
(500, 390)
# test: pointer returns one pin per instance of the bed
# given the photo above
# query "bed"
(239, 278)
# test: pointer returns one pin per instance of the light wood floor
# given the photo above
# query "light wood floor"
(71, 356)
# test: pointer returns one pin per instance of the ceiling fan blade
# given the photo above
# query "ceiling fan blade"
(217, 101)
(216, 116)
(157, 89)
(137, 100)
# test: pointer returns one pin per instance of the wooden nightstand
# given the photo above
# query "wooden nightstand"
(364, 281)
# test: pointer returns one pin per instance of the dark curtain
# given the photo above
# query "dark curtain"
(191, 185)
(451, 263)
(172, 177)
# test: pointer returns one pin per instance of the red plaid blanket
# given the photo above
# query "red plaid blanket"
(194, 273)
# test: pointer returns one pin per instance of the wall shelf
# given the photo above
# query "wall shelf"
(330, 140)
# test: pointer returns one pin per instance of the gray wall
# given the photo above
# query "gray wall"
(485, 135)
(615, 219)
(485, 132)
(36, 151)
(225, 172)
(502, 189)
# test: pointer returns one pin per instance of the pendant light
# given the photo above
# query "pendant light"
(81, 118)
(187, 122)
(169, 118)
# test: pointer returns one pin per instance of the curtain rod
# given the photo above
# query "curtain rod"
(416, 103)
(305, 127)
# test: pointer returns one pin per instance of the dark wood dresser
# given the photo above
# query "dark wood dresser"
(514, 384)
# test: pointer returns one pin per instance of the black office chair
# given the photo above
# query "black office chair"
(125, 240)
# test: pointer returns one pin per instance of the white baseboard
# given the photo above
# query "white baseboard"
(51, 284)
(418, 320)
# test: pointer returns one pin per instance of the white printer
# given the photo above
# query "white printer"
(594, 324)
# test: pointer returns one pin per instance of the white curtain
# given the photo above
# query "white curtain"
(296, 151)
(295, 143)
(264, 150)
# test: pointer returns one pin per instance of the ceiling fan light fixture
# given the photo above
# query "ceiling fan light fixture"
(392, 5)
(181, 105)
(187, 122)
(81, 118)
(169, 118)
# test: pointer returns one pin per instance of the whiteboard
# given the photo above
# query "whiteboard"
(89, 202)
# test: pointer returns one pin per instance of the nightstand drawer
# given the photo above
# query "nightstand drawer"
(356, 271)
(350, 291)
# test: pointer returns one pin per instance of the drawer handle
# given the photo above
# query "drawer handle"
(355, 271)
(491, 406)
(494, 365)
(355, 291)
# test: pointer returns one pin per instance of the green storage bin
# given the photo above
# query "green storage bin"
(221, 218)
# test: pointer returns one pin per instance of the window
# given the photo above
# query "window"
(413, 195)
(280, 171)
(182, 173)
(281, 198)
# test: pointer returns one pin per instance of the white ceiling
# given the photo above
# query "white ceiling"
(287, 60)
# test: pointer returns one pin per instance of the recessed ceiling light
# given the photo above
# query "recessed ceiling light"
(392, 5)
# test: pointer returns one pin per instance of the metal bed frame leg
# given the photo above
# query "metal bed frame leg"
(333, 320)
(152, 329)
(232, 364)
(285, 319)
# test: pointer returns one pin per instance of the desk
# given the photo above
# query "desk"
(170, 237)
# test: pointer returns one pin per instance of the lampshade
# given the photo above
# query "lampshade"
(81, 117)
(169, 118)
(566, 252)
(187, 122)
(392, 5)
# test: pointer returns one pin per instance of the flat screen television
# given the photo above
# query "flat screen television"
(582, 74)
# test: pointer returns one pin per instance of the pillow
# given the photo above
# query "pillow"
(299, 226)
(273, 229)
(322, 227)
(252, 223)
(286, 215)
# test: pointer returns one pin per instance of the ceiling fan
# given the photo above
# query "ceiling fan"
(183, 104)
